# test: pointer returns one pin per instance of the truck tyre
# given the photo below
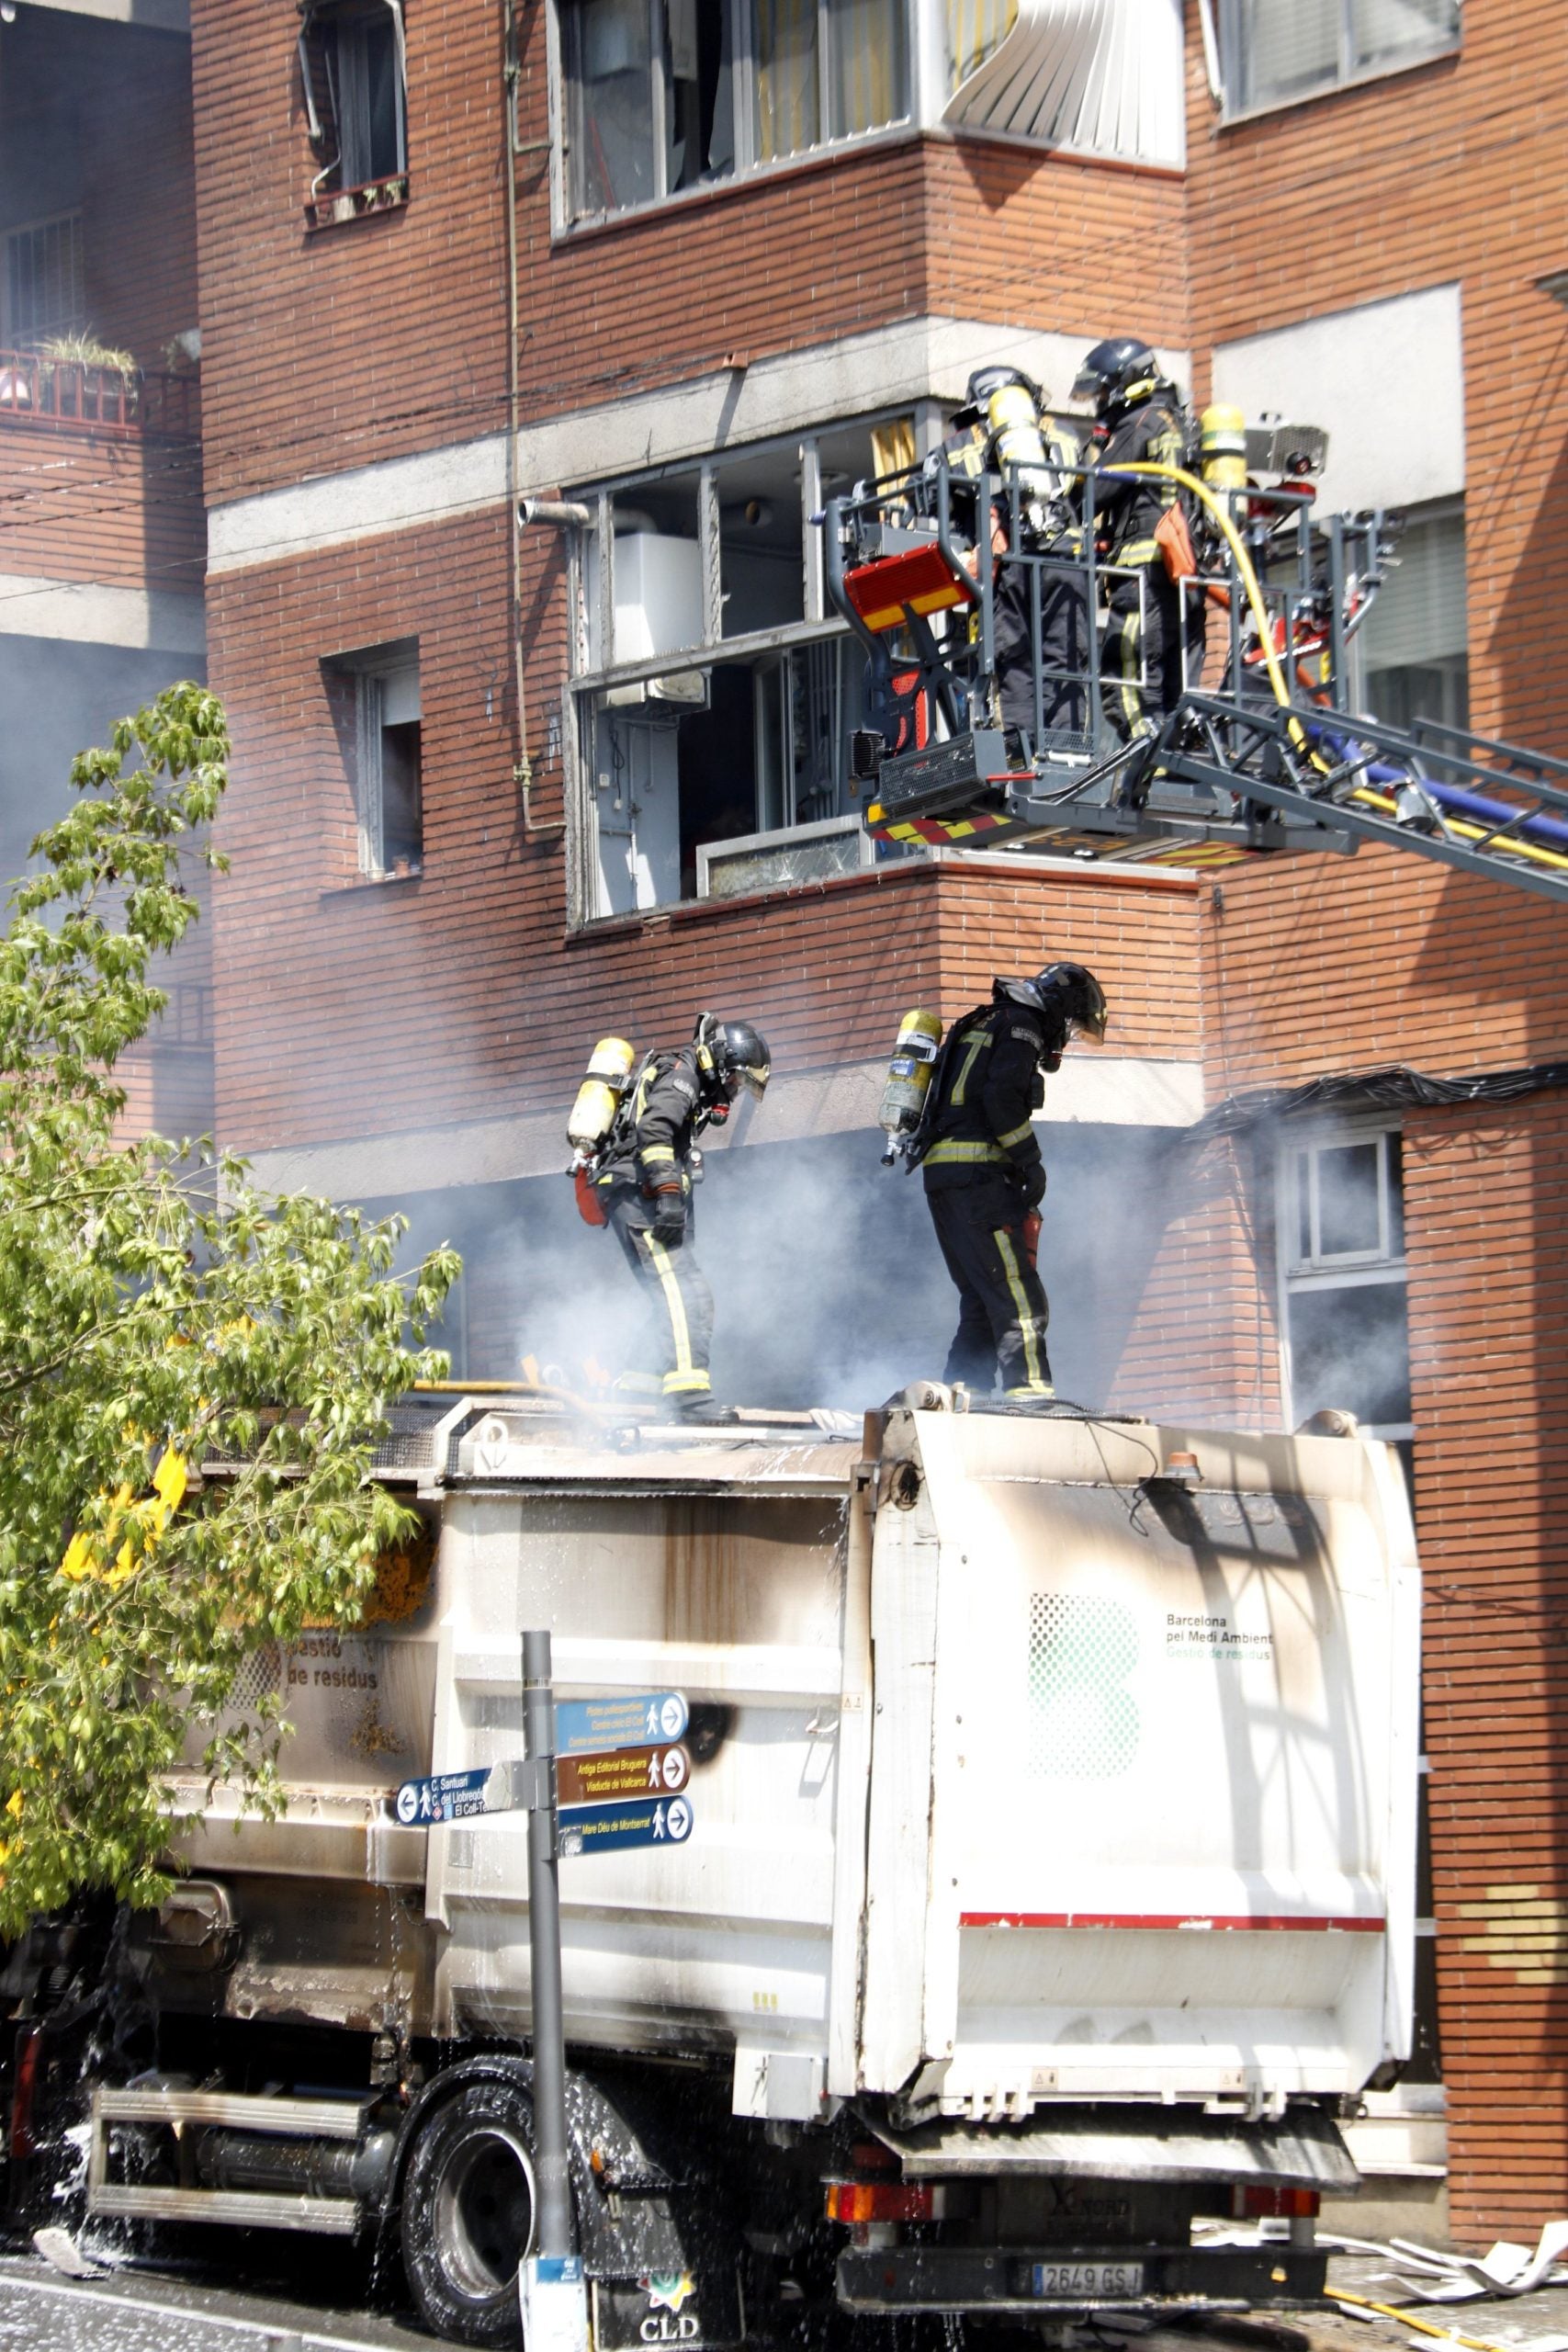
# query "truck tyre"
(467, 2213)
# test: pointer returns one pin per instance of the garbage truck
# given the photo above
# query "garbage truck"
(1043, 1901)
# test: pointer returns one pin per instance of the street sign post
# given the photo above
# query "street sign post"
(630, 1719)
(634, 1821)
(442, 1797)
(623, 1772)
(552, 2293)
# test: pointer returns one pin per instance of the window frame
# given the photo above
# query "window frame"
(1415, 517)
(586, 680)
(1344, 1270)
(71, 220)
(323, 20)
(369, 672)
(1351, 78)
(748, 167)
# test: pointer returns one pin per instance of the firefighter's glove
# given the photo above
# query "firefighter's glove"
(1031, 1181)
(669, 1216)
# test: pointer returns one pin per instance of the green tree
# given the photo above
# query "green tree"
(157, 1313)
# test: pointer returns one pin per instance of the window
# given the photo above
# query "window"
(1278, 50)
(1413, 650)
(352, 72)
(376, 701)
(1342, 1253)
(717, 697)
(42, 293)
(975, 31)
(665, 95)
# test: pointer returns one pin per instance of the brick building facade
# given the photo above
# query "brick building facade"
(484, 809)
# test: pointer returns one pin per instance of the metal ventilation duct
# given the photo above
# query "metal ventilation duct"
(1103, 76)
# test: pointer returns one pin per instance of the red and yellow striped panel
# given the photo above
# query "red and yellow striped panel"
(921, 580)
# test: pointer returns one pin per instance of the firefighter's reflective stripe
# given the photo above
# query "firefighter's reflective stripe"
(971, 1153)
(637, 1383)
(1027, 1332)
(658, 1151)
(1131, 633)
(1138, 551)
(686, 1384)
(1016, 1135)
(973, 1049)
(685, 1370)
(1031, 1388)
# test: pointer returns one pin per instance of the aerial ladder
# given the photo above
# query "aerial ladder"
(1263, 754)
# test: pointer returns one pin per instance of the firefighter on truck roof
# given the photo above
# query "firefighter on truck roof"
(985, 1177)
(642, 1183)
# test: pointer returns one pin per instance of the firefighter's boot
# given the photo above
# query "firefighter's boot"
(702, 1409)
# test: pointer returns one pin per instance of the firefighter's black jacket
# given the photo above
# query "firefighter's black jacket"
(651, 1144)
(1127, 513)
(985, 1091)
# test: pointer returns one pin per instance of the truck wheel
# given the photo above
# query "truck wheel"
(468, 2214)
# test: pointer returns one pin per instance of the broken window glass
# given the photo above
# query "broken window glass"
(1350, 1348)
(351, 71)
(1346, 1341)
(609, 47)
(666, 95)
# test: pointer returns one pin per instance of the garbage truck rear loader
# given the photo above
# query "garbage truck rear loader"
(1048, 1890)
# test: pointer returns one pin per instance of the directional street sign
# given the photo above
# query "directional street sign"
(444, 1796)
(606, 1828)
(623, 1772)
(630, 1719)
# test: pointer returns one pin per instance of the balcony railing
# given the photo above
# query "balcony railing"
(74, 395)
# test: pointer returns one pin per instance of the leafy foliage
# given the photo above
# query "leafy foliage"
(157, 1313)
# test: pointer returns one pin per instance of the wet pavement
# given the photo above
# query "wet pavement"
(144, 2311)
(141, 2311)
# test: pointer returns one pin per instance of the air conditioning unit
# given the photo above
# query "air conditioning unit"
(659, 609)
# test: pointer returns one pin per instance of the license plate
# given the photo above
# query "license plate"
(1096, 2280)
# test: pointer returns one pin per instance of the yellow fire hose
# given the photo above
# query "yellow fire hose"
(1366, 793)
(1422, 2326)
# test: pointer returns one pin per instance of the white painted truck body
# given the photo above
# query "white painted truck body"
(1031, 1775)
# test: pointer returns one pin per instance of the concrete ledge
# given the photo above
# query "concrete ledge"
(85, 612)
(155, 15)
(1089, 1089)
(928, 358)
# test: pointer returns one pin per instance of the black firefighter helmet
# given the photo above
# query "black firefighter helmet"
(1117, 374)
(1073, 987)
(732, 1054)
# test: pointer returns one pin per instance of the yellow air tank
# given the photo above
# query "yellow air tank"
(1016, 438)
(599, 1096)
(1224, 432)
(909, 1076)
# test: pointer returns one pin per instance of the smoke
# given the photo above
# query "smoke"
(830, 1287)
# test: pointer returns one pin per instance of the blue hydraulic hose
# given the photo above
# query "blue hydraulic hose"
(1454, 799)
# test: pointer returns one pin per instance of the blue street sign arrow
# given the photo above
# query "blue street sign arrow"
(632, 1719)
(632, 1821)
(444, 1796)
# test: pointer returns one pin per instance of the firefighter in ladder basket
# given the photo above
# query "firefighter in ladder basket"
(984, 1175)
(1152, 645)
(641, 1185)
